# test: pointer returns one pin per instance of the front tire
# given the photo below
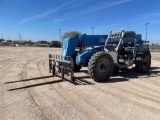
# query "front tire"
(100, 67)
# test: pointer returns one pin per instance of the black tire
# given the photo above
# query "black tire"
(76, 67)
(100, 67)
(144, 65)
(116, 69)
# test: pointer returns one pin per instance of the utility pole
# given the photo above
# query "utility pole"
(2, 35)
(92, 30)
(19, 36)
(59, 35)
(147, 23)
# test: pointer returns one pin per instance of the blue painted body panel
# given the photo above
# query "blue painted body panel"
(140, 47)
(93, 40)
(69, 44)
(83, 58)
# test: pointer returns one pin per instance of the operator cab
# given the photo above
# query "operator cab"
(121, 46)
(112, 41)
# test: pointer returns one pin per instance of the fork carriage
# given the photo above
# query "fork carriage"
(61, 66)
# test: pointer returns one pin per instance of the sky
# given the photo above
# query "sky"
(41, 19)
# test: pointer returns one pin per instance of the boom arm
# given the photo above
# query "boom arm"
(69, 44)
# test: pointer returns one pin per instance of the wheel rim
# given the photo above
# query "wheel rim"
(103, 67)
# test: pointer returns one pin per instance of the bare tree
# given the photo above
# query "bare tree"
(70, 34)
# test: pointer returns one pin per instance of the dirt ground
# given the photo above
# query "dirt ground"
(127, 95)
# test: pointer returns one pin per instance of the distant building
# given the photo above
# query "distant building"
(42, 43)
(1, 40)
(55, 44)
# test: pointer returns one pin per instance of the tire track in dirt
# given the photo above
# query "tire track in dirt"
(121, 98)
(64, 94)
(150, 108)
(5, 70)
(98, 108)
(40, 96)
(82, 96)
(156, 81)
(46, 61)
(61, 89)
(143, 86)
(131, 92)
(147, 86)
(132, 88)
(143, 78)
(147, 107)
(71, 99)
(7, 65)
(38, 100)
(64, 104)
(144, 106)
(32, 95)
(150, 79)
(156, 100)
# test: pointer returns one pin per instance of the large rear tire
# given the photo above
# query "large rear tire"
(144, 65)
(100, 67)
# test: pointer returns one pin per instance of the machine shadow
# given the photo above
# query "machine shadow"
(125, 75)
(131, 74)
(82, 81)
(153, 72)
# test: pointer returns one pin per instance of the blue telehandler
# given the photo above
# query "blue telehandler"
(103, 55)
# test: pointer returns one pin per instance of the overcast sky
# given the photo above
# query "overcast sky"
(42, 19)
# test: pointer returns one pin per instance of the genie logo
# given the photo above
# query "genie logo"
(102, 40)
